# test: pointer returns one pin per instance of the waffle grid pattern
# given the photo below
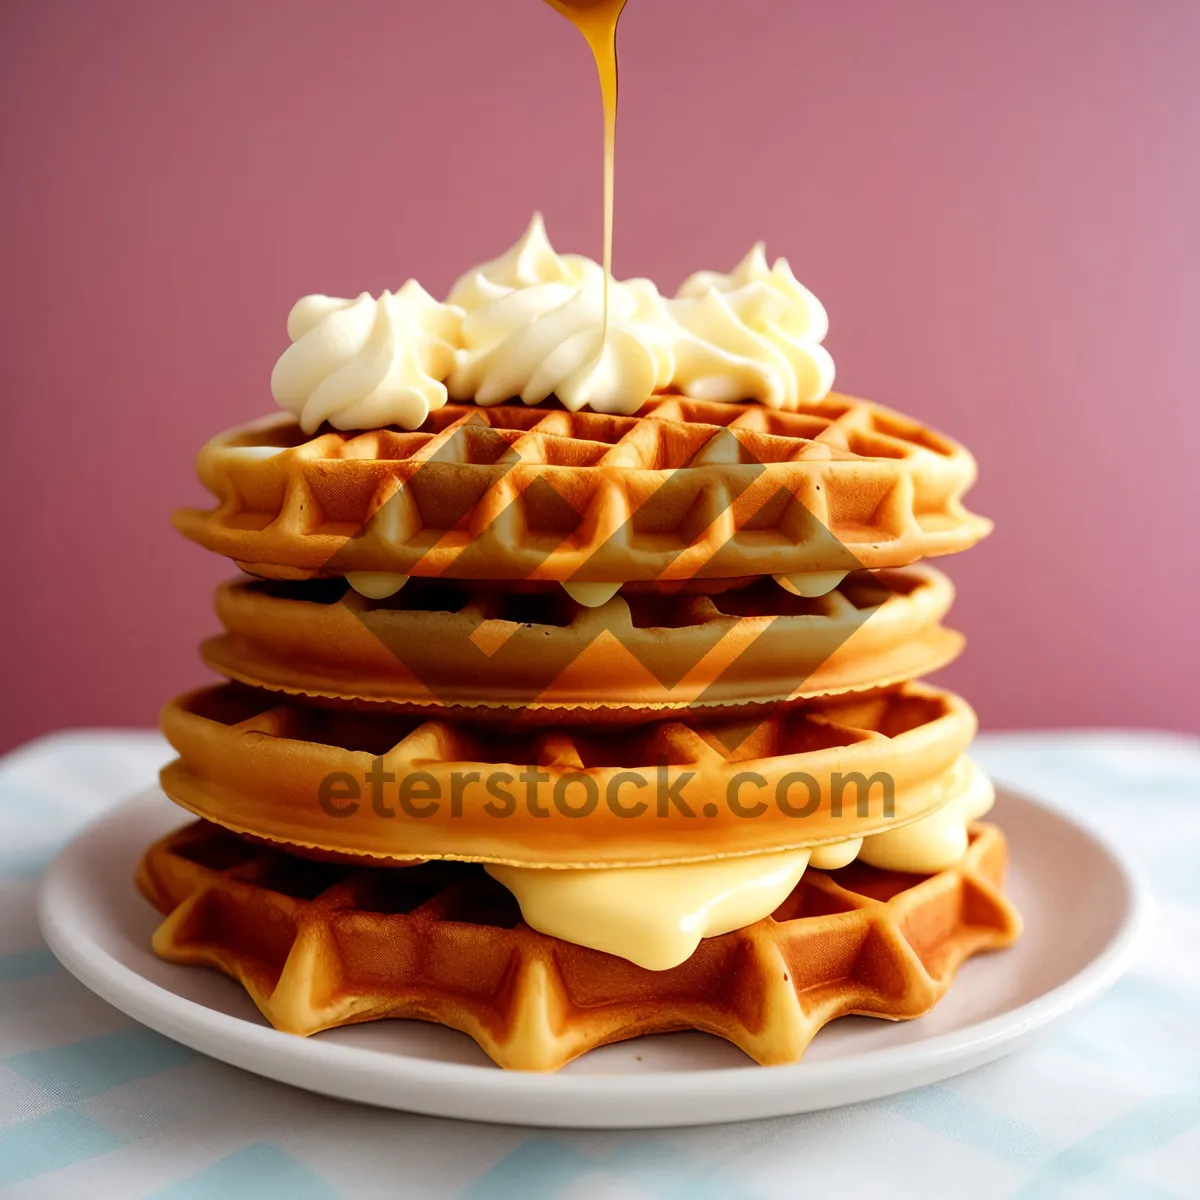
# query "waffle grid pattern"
(256, 764)
(319, 945)
(686, 489)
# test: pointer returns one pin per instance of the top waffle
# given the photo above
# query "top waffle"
(685, 489)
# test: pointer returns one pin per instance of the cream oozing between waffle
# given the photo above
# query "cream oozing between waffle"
(656, 916)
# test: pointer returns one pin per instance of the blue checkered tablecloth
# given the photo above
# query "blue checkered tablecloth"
(1107, 1104)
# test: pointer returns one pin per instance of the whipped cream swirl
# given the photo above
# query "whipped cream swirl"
(531, 324)
(366, 363)
(534, 327)
(754, 334)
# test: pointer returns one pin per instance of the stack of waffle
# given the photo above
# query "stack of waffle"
(561, 728)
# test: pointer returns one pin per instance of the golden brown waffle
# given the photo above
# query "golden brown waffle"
(542, 657)
(320, 945)
(685, 489)
(256, 763)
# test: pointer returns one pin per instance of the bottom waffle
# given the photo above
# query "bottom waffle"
(318, 945)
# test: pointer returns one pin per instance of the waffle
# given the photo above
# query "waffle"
(542, 657)
(256, 763)
(685, 489)
(318, 945)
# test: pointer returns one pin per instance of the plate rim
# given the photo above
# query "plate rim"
(402, 1081)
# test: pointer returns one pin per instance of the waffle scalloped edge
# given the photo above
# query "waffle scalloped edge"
(686, 489)
(312, 953)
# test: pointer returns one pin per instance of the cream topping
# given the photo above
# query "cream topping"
(835, 855)
(653, 916)
(656, 916)
(531, 324)
(754, 334)
(367, 362)
(534, 326)
(937, 841)
(812, 584)
(591, 595)
(376, 585)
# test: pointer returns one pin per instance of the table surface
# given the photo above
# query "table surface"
(1106, 1104)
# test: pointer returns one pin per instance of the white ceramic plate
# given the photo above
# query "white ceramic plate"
(1080, 900)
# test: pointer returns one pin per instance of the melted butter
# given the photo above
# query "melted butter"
(656, 916)
(814, 583)
(376, 585)
(591, 595)
(653, 916)
(597, 21)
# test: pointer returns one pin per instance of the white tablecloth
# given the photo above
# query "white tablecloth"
(1108, 1104)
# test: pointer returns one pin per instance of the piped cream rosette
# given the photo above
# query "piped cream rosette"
(532, 324)
(367, 363)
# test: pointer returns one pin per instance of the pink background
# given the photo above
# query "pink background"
(996, 202)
